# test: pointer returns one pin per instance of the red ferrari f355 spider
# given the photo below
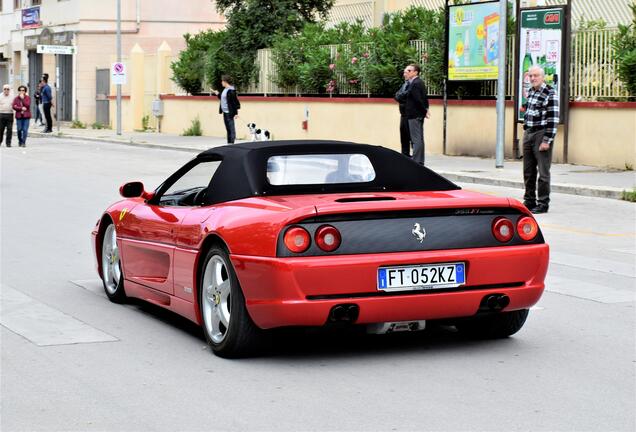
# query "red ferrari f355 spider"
(249, 237)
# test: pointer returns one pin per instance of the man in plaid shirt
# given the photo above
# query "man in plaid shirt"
(540, 125)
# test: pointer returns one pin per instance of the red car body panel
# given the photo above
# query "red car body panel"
(276, 290)
(161, 246)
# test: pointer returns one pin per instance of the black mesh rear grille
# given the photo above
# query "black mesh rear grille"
(410, 231)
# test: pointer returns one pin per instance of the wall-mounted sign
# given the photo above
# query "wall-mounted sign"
(57, 49)
(473, 41)
(31, 17)
(541, 43)
(118, 73)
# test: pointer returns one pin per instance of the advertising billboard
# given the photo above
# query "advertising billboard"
(473, 42)
(31, 17)
(541, 43)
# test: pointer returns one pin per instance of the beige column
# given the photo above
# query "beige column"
(164, 52)
(137, 86)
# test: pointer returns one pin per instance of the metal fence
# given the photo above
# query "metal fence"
(593, 70)
(593, 66)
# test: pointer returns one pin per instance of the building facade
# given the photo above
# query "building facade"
(82, 79)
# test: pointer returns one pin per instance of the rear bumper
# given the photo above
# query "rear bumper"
(278, 291)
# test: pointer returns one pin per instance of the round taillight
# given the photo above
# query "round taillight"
(297, 239)
(502, 229)
(527, 228)
(328, 238)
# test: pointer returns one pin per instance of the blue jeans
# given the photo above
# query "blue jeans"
(23, 130)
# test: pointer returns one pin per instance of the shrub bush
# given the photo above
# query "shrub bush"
(189, 70)
(625, 46)
(194, 129)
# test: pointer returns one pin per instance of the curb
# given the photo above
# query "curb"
(571, 189)
(129, 142)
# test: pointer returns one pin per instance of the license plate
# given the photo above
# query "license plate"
(429, 276)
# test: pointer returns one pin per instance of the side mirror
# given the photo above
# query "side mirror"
(134, 190)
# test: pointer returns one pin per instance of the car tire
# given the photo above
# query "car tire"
(112, 275)
(227, 326)
(494, 326)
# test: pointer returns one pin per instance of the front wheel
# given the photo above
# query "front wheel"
(227, 326)
(112, 276)
(495, 326)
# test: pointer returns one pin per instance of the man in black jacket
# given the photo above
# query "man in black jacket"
(228, 106)
(413, 109)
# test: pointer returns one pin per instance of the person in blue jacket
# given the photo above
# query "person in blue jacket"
(47, 103)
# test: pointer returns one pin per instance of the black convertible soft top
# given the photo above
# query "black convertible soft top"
(243, 171)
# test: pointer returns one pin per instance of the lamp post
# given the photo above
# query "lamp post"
(118, 61)
(501, 86)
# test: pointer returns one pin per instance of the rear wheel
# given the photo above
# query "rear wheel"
(495, 326)
(112, 276)
(227, 326)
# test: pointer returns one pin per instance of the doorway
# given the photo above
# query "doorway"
(66, 87)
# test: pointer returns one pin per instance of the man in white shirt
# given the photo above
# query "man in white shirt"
(228, 106)
(6, 114)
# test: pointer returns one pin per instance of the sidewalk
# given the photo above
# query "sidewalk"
(566, 178)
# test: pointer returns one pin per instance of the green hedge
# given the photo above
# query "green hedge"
(311, 59)
(373, 58)
(304, 60)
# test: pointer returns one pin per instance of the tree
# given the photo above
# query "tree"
(625, 46)
(188, 70)
(253, 24)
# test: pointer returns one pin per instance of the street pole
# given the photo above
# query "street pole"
(118, 61)
(57, 91)
(501, 85)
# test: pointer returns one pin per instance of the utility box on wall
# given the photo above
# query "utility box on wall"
(157, 108)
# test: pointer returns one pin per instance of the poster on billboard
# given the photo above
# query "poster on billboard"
(31, 17)
(473, 42)
(541, 43)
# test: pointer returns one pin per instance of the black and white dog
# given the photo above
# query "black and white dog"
(251, 127)
(262, 135)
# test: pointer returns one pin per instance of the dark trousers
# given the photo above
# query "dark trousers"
(405, 136)
(6, 121)
(412, 135)
(533, 161)
(47, 116)
(416, 130)
(228, 119)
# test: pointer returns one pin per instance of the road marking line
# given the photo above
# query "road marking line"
(42, 324)
(584, 231)
(588, 290)
(596, 264)
(625, 251)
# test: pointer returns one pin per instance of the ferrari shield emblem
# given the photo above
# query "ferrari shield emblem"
(123, 213)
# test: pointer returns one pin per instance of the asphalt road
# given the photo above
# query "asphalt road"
(71, 360)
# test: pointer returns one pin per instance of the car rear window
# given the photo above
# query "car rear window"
(311, 169)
